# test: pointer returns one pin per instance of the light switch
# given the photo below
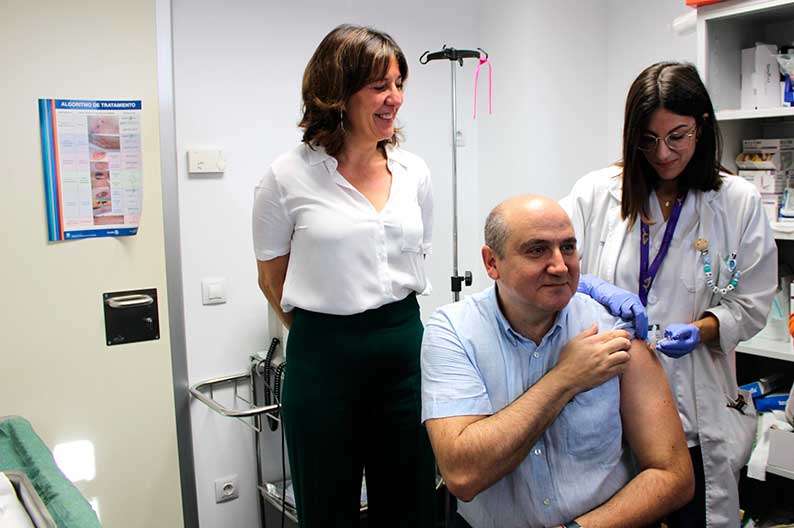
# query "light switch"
(206, 161)
(213, 290)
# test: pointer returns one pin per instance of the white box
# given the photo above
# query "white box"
(760, 77)
(781, 449)
(768, 72)
(748, 89)
(767, 181)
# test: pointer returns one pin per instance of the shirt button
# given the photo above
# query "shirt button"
(546, 501)
(537, 452)
(652, 299)
(535, 355)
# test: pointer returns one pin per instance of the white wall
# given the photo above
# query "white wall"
(639, 33)
(56, 369)
(550, 85)
(550, 60)
(237, 73)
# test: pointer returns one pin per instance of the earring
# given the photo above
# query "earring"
(342, 120)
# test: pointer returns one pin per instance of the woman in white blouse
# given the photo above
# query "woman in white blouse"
(341, 225)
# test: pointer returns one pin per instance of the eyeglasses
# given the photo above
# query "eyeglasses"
(674, 140)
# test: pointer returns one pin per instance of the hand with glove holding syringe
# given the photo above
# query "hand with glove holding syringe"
(682, 338)
(679, 339)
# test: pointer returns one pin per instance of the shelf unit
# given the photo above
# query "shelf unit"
(723, 30)
(759, 346)
(780, 471)
(763, 113)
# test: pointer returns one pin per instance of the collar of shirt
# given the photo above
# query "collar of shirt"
(511, 335)
(316, 154)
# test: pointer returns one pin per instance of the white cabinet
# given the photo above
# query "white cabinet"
(723, 30)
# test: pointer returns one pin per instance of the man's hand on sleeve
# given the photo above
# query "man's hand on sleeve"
(617, 301)
(591, 358)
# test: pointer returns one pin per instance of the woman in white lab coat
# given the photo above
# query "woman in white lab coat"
(695, 244)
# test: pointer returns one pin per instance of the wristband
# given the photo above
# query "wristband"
(572, 524)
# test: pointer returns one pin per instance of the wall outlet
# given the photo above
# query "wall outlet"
(226, 489)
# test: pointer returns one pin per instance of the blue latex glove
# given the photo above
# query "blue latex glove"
(617, 301)
(679, 340)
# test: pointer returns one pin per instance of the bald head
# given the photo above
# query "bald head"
(530, 252)
(517, 210)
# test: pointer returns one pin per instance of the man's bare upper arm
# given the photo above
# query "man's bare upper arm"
(650, 419)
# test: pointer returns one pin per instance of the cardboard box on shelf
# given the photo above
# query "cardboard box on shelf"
(760, 77)
(766, 154)
(767, 180)
(764, 144)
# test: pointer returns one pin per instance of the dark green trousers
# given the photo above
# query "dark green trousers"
(351, 403)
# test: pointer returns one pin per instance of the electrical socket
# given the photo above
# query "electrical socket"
(226, 489)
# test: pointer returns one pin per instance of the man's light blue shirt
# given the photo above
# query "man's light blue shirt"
(474, 363)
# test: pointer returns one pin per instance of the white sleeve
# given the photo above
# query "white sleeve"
(577, 205)
(743, 313)
(272, 226)
(425, 198)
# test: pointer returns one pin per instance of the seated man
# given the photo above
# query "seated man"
(527, 405)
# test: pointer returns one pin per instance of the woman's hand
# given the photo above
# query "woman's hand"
(679, 340)
(617, 301)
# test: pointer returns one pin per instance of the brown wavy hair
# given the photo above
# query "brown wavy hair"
(676, 87)
(347, 59)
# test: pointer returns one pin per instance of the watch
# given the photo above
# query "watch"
(572, 524)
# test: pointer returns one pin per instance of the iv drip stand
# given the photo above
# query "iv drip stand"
(454, 55)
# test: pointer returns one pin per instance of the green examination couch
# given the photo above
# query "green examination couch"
(21, 450)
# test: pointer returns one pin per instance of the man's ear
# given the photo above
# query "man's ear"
(489, 260)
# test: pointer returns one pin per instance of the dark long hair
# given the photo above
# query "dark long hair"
(347, 59)
(676, 87)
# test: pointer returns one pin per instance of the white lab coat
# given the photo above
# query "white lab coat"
(731, 218)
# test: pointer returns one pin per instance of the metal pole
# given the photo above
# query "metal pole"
(455, 294)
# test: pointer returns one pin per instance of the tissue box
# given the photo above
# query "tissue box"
(781, 449)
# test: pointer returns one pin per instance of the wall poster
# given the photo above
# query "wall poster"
(91, 151)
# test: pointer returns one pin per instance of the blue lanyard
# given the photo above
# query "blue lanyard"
(648, 275)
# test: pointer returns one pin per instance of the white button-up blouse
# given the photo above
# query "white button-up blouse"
(344, 256)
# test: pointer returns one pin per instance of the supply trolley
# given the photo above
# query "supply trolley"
(255, 401)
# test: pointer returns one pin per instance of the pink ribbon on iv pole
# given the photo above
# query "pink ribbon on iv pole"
(490, 85)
